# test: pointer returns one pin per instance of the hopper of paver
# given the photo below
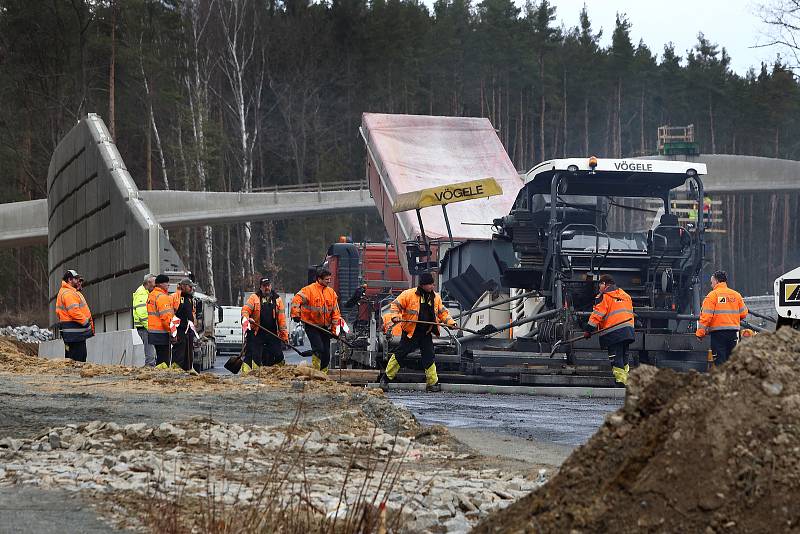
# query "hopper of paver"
(407, 153)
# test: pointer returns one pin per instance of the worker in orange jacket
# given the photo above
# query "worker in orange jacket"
(421, 303)
(721, 315)
(613, 314)
(317, 305)
(74, 318)
(159, 321)
(264, 327)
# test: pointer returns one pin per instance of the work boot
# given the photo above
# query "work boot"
(316, 363)
(161, 366)
(627, 368)
(383, 381)
(620, 376)
(192, 371)
(175, 366)
(433, 388)
(432, 379)
(245, 369)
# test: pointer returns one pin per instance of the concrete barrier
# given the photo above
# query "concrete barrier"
(52, 349)
(121, 347)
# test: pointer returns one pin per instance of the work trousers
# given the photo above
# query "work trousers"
(162, 354)
(320, 345)
(619, 353)
(722, 344)
(149, 350)
(263, 349)
(182, 352)
(419, 340)
(76, 351)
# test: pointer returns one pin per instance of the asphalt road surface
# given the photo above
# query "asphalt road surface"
(539, 430)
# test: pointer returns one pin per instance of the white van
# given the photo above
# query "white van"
(228, 332)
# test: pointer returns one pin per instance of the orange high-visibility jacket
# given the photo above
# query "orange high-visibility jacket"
(73, 314)
(159, 315)
(317, 304)
(723, 309)
(406, 307)
(613, 310)
(252, 310)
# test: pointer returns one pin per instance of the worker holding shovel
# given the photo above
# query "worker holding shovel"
(613, 315)
(263, 315)
(412, 309)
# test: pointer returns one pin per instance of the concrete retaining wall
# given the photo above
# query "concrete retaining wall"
(123, 347)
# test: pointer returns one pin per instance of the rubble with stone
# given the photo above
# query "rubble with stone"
(229, 463)
(27, 334)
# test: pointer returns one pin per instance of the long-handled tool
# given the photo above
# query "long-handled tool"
(486, 330)
(304, 354)
(331, 334)
(578, 338)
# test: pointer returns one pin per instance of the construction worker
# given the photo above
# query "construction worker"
(264, 327)
(140, 317)
(159, 320)
(613, 315)
(317, 307)
(421, 304)
(74, 318)
(182, 326)
(721, 315)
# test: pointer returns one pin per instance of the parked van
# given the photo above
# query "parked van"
(228, 332)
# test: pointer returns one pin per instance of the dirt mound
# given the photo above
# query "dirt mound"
(687, 453)
(289, 372)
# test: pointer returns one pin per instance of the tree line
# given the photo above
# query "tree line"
(232, 95)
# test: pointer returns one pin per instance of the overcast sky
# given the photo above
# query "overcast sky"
(734, 24)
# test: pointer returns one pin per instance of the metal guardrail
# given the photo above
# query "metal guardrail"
(312, 187)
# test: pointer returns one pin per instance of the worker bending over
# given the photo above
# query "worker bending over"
(317, 307)
(264, 325)
(721, 315)
(159, 319)
(613, 316)
(74, 318)
(182, 326)
(409, 310)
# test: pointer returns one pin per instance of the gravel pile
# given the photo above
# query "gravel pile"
(229, 463)
(27, 334)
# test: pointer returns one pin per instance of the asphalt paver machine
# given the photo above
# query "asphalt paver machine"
(575, 219)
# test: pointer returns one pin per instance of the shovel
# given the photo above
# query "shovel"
(485, 331)
(234, 363)
(339, 339)
(304, 354)
(578, 338)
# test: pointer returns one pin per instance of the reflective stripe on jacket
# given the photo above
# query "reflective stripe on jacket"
(723, 309)
(317, 304)
(612, 313)
(159, 315)
(252, 310)
(140, 307)
(406, 307)
(75, 319)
